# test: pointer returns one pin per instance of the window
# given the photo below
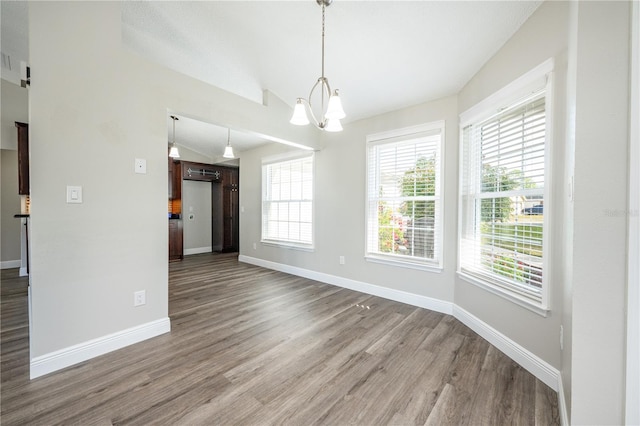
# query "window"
(287, 201)
(404, 219)
(502, 204)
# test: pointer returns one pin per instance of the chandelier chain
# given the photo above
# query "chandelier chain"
(323, 6)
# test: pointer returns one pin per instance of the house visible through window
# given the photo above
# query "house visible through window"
(404, 218)
(502, 204)
(287, 201)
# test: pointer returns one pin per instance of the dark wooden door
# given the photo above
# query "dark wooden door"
(231, 212)
(23, 158)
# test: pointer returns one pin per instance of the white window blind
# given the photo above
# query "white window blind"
(404, 198)
(287, 201)
(502, 199)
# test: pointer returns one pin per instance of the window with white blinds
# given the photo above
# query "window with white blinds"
(502, 199)
(404, 217)
(287, 202)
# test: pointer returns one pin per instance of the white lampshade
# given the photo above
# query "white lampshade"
(173, 152)
(333, 125)
(228, 152)
(334, 109)
(299, 117)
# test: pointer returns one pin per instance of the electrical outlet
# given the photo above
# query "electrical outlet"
(342, 260)
(255, 246)
(139, 298)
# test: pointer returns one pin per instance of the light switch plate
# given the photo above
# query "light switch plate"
(141, 166)
(74, 194)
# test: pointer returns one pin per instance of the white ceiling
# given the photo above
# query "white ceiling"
(382, 55)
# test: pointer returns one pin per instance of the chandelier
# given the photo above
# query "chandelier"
(173, 152)
(330, 118)
(228, 151)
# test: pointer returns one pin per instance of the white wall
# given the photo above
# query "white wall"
(601, 125)
(632, 407)
(95, 107)
(15, 107)
(9, 205)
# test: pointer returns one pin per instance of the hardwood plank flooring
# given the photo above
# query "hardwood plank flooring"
(251, 346)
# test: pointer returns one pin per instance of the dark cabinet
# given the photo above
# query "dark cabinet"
(23, 158)
(231, 211)
(175, 239)
(202, 171)
(175, 180)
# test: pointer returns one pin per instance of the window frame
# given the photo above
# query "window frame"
(541, 77)
(398, 136)
(279, 159)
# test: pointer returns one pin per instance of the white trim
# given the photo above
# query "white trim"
(409, 135)
(505, 293)
(404, 263)
(562, 403)
(197, 250)
(528, 360)
(531, 362)
(632, 391)
(10, 264)
(286, 156)
(66, 357)
(288, 246)
(526, 87)
(508, 94)
(372, 289)
(421, 130)
(23, 271)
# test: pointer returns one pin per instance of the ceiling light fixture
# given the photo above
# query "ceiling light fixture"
(228, 151)
(330, 119)
(173, 152)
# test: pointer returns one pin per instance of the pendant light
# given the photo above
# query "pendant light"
(228, 151)
(330, 119)
(173, 152)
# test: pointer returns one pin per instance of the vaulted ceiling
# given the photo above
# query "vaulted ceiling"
(382, 55)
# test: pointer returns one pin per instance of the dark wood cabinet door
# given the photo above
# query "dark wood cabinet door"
(231, 208)
(175, 239)
(23, 158)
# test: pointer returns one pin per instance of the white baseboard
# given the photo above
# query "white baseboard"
(66, 357)
(9, 264)
(562, 404)
(372, 289)
(532, 363)
(197, 250)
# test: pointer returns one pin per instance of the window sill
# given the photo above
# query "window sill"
(289, 246)
(430, 267)
(505, 294)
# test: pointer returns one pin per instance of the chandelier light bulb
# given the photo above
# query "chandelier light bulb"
(173, 152)
(334, 109)
(333, 125)
(228, 152)
(299, 117)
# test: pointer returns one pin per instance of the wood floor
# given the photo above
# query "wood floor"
(250, 346)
